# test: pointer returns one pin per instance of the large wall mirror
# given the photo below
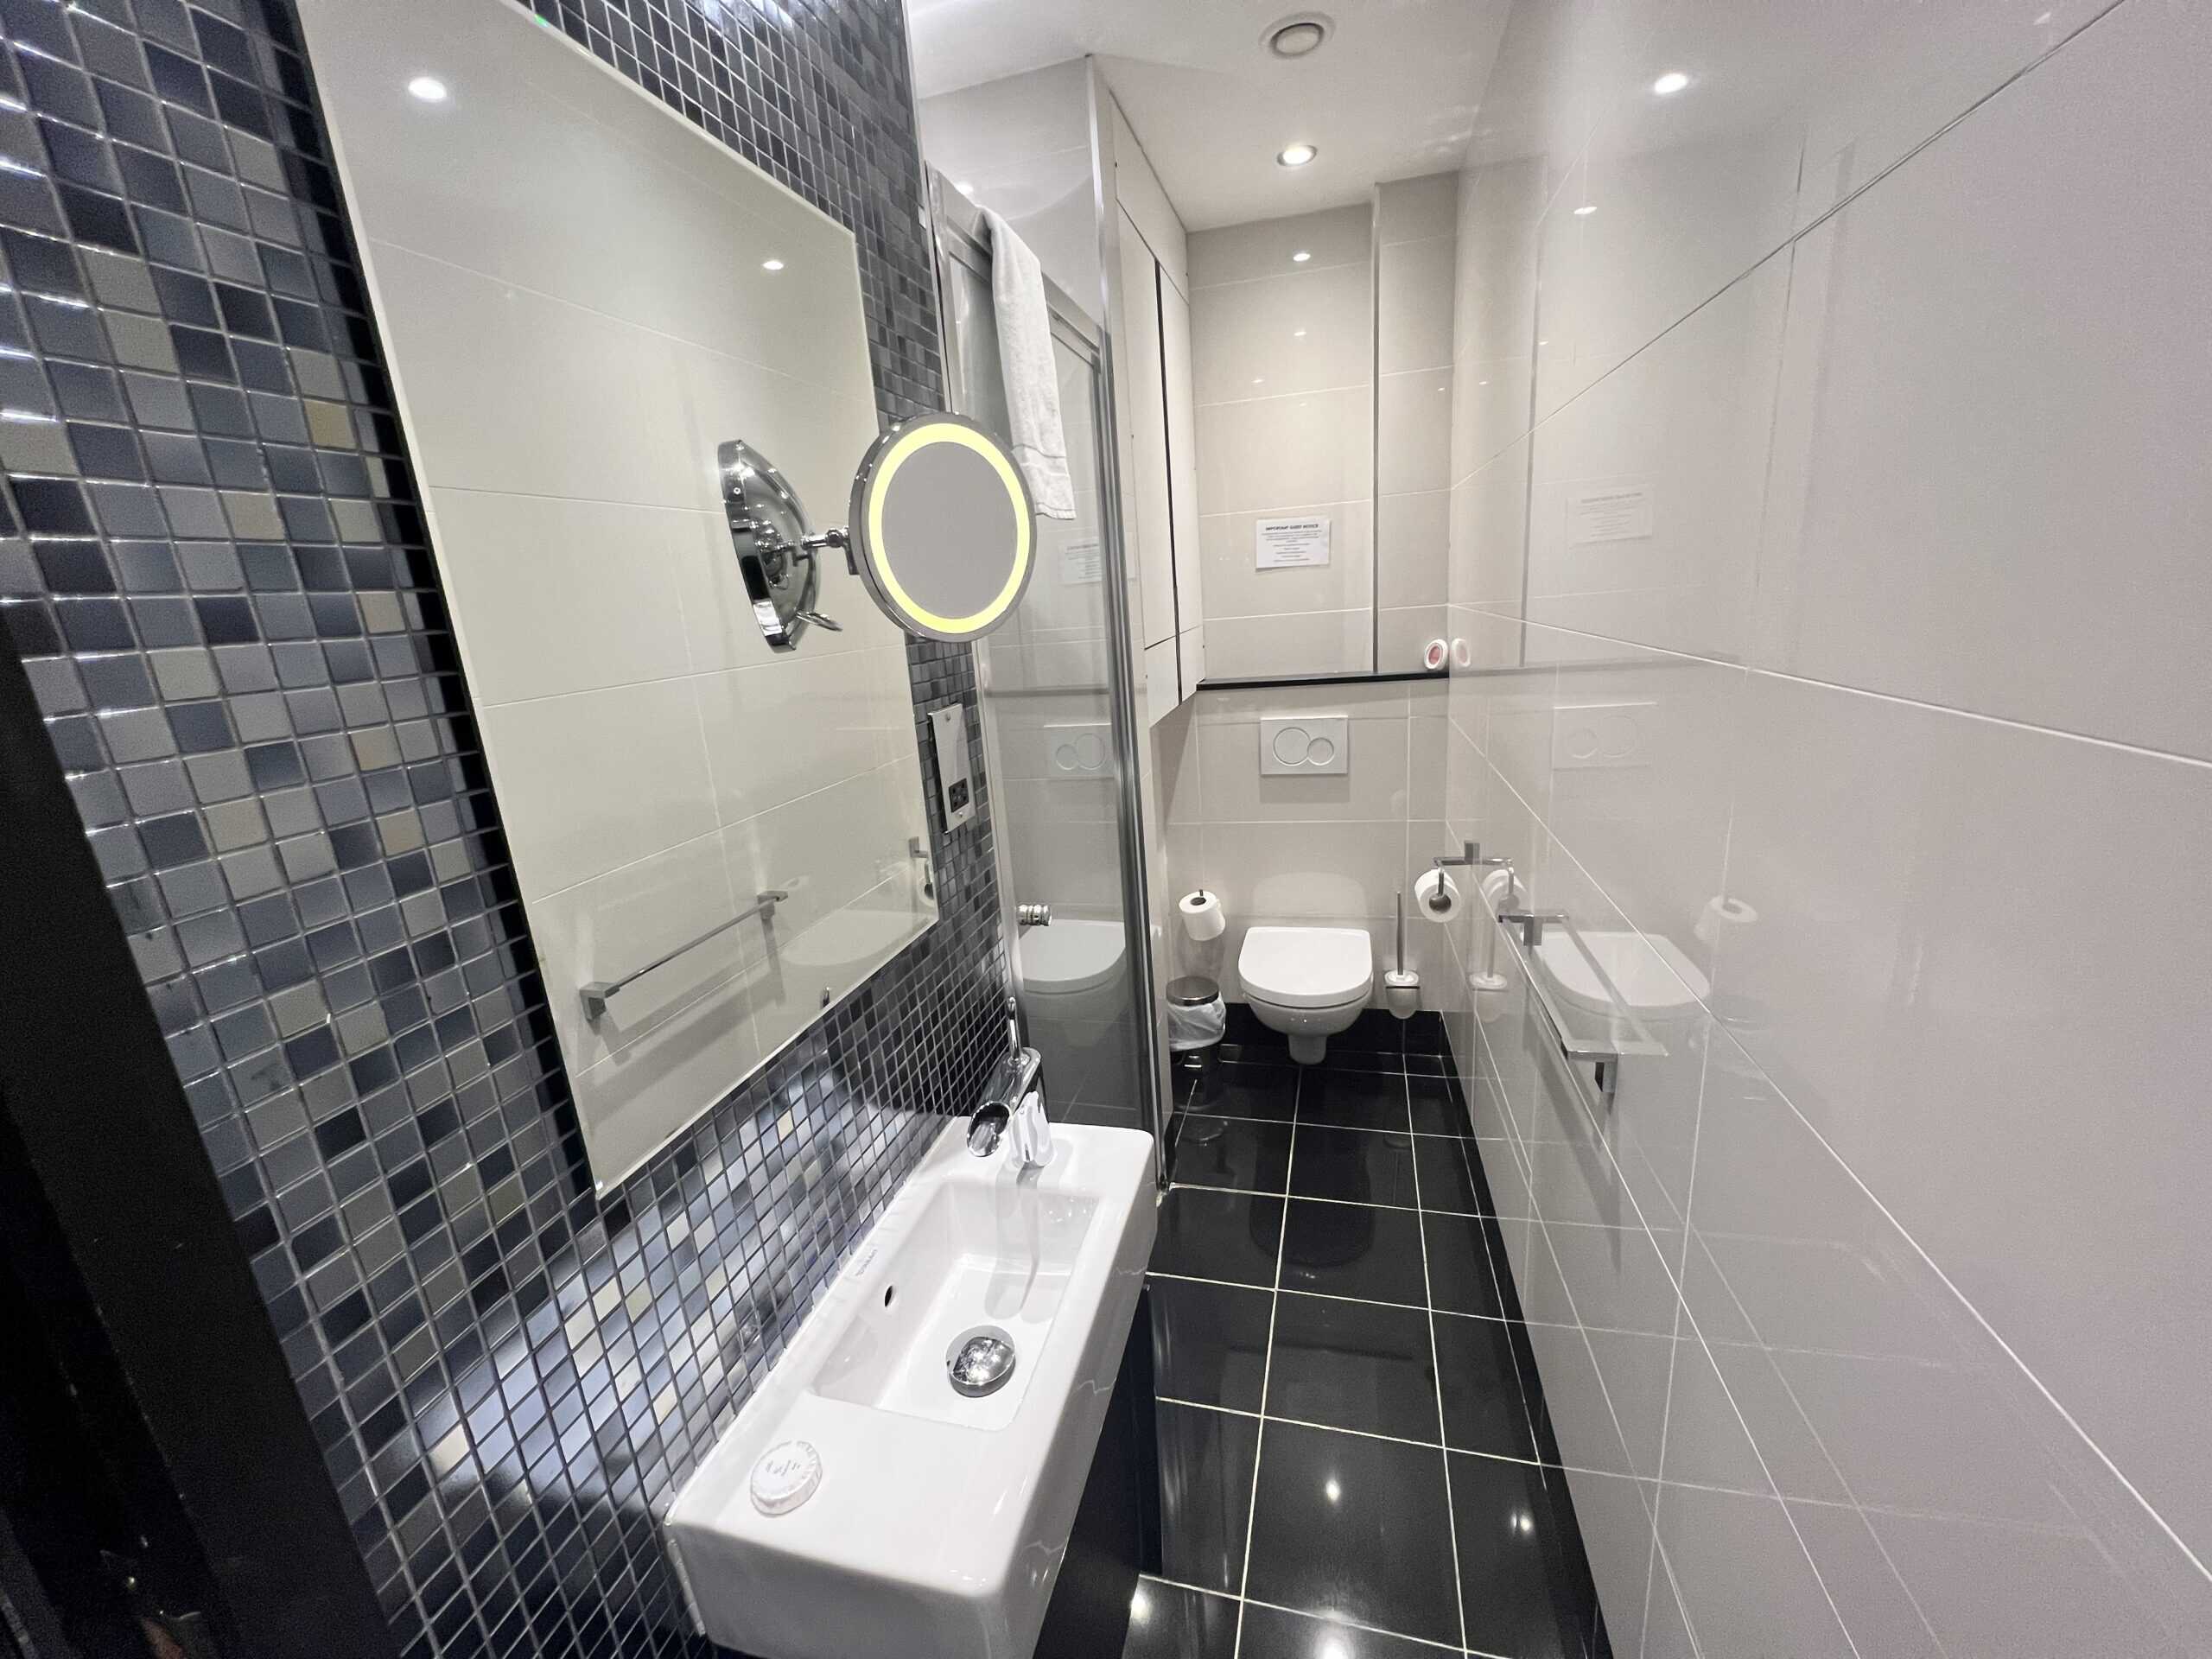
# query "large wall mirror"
(584, 298)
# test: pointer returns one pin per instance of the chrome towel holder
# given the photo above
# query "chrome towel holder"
(595, 996)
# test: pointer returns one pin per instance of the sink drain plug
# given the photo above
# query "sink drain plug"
(980, 1361)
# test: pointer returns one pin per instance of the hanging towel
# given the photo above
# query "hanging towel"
(1033, 379)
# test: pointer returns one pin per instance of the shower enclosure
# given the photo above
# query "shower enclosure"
(1059, 722)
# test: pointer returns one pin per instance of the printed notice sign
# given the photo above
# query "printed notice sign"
(1607, 512)
(1291, 543)
(1080, 563)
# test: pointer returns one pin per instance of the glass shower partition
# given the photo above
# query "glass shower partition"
(1060, 724)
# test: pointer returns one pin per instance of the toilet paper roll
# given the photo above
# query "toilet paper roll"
(1722, 916)
(1202, 916)
(1437, 895)
(1498, 889)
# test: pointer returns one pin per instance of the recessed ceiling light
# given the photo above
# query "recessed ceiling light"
(1296, 156)
(771, 264)
(1673, 81)
(1586, 210)
(1298, 334)
(965, 187)
(1300, 36)
(429, 88)
(1300, 258)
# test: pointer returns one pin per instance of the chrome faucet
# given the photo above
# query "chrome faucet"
(1011, 1081)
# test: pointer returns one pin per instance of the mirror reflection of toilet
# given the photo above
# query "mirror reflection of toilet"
(1307, 982)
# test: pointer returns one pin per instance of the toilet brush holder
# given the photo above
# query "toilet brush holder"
(1401, 992)
(1400, 985)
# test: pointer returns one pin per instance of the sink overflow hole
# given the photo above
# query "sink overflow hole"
(889, 1291)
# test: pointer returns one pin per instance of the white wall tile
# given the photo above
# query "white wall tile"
(601, 577)
(1283, 453)
(1306, 330)
(1413, 303)
(646, 791)
(1337, 236)
(1313, 642)
(2015, 524)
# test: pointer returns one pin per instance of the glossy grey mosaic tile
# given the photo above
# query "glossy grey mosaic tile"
(214, 567)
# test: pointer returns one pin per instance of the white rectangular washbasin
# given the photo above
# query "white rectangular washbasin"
(929, 1524)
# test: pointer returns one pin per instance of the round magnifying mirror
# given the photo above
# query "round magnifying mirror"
(944, 533)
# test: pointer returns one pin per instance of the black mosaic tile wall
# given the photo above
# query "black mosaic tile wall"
(213, 566)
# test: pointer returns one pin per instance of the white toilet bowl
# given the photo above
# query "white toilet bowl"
(1307, 982)
(1072, 971)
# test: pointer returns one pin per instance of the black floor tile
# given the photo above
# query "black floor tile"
(1524, 1579)
(1459, 1277)
(1341, 1059)
(1209, 1342)
(1205, 1494)
(1356, 1166)
(1270, 1633)
(1167, 1621)
(1359, 1100)
(1247, 1089)
(1210, 1235)
(1486, 1390)
(1356, 1527)
(1233, 1152)
(1353, 1365)
(1351, 1249)
(1426, 1034)
(1448, 1180)
(1438, 1106)
(1428, 1065)
(1376, 1031)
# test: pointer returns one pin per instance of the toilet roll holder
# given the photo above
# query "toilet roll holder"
(1471, 854)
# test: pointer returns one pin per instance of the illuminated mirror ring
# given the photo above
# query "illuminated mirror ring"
(944, 528)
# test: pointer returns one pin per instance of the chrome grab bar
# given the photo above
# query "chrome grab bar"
(1625, 1035)
(594, 995)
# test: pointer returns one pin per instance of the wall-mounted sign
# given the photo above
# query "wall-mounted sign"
(1081, 565)
(1607, 512)
(1291, 543)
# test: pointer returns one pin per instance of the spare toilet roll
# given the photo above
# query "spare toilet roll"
(1202, 917)
(1723, 916)
(1437, 894)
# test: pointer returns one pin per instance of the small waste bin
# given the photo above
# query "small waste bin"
(1196, 1020)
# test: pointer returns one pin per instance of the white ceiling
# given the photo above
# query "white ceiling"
(1392, 96)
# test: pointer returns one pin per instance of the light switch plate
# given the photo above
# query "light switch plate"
(1306, 745)
(1588, 735)
(956, 791)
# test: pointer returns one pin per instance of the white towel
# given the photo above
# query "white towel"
(1032, 378)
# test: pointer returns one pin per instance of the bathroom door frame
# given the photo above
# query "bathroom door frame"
(961, 238)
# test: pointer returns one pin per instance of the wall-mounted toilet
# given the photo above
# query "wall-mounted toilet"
(1307, 982)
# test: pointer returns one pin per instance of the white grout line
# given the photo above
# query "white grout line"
(1314, 1198)
(1266, 1371)
(1354, 1624)
(1436, 1380)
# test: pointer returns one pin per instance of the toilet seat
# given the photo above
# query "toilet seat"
(1306, 967)
(1069, 957)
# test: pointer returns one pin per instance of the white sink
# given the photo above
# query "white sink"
(936, 1529)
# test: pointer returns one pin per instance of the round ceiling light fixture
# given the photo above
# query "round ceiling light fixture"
(1299, 36)
(429, 88)
(1671, 83)
(1295, 155)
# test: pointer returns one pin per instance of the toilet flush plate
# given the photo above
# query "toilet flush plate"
(1298, 745)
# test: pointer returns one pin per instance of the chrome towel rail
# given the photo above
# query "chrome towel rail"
(1624, 1035)
(594, 995)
